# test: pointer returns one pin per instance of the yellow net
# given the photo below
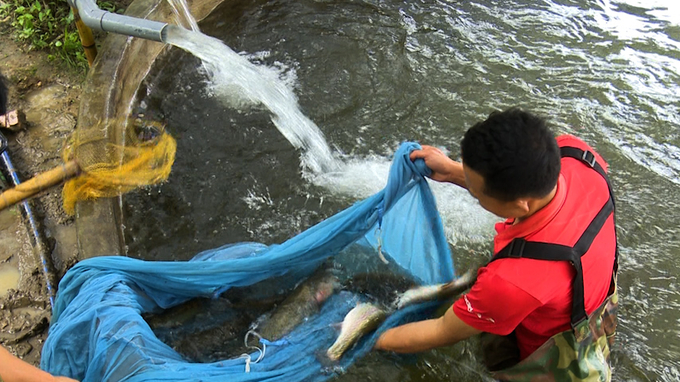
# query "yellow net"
(110, 169)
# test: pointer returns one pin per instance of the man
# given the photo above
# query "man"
(554, 263)
(12, 369)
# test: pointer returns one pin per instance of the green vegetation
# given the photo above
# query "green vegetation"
(48, 24)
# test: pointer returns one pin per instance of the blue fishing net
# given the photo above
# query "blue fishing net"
(98, 333)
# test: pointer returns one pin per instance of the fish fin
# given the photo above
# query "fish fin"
(336, 325)
(329, 366)
(460, 284)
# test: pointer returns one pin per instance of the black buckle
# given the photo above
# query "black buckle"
(589, 158)
(516, 248)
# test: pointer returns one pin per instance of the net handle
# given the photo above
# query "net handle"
(39, 183)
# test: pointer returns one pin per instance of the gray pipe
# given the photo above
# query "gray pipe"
(98, 19)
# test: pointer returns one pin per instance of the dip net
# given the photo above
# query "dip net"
(108, 169)
(98, 332)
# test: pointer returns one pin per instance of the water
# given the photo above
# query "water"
(240, 84)
(367, 75)
(183, 16)
(9, 278)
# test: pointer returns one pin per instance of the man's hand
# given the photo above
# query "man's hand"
(444, 169)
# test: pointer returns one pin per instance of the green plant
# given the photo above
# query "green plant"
(70, 50)
(48, 24)
(110, 6)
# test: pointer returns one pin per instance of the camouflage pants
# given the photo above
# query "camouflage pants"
(581, 354)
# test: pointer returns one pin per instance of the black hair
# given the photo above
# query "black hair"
(3, 95)
(516, 154)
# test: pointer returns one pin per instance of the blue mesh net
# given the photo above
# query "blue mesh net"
(98, 332)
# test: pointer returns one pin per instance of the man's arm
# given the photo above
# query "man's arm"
(444, 169)
(12, 369)
(424, 335)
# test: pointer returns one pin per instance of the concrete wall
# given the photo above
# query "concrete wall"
(108, 96)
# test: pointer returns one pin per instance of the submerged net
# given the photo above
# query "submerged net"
(109, 169)
(98, 332)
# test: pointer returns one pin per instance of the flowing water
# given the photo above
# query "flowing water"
(267, 150)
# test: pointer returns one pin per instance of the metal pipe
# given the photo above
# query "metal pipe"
(34, 233)
(98, 19)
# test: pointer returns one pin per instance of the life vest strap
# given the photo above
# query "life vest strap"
(519, 247)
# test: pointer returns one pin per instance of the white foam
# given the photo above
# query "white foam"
(464, 220)
(240, 84)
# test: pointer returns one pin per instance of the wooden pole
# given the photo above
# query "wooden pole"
(86, 37)
(38, 184)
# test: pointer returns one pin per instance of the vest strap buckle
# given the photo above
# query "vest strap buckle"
(588, 158)
(516, 248)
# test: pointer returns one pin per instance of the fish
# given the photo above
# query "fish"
(379, 287)
(216, 342)
(377, 290)
(207, 330)
(367, 316)
(181, 315)
(436, 292)
(305, 300)
(362, 319)
(201, 313)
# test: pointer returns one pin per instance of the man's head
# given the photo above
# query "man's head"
(510, 160)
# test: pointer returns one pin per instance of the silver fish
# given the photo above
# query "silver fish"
(303, 302)
(362, 319)
(437, 291)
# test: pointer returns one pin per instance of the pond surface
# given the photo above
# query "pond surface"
(371, 74)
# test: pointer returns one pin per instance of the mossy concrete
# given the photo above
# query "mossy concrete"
(106, 104)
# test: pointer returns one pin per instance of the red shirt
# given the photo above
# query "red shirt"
(533, 297)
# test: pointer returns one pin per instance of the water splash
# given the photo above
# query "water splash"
(242, 84)
(465, 221)
(181, 10)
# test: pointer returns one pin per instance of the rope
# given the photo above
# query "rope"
(262, 351)
(378, 232)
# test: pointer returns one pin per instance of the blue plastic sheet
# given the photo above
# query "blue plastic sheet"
(97, 331)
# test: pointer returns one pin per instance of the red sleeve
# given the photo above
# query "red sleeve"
(494, 305)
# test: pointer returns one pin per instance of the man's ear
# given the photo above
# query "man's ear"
(522, 205)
